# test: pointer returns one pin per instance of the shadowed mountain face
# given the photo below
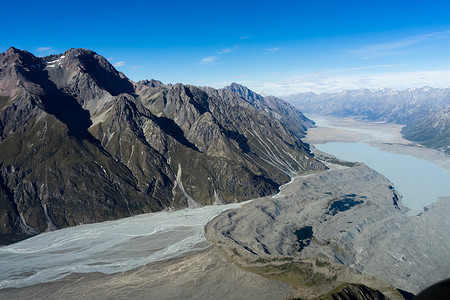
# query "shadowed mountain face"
(81, 143)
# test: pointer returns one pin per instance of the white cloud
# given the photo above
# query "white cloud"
(272, 50)
(367, 68)
(136, 67)
(208, 60)
(119, 64)
(44, 49)
(244, 37)
(326, 83)
(225, 51)
(397, 47)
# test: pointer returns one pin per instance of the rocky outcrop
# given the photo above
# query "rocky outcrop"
(81, 143)
(351, 291)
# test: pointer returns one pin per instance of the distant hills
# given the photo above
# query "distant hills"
(81, 143)
(424, 111)
(432, 130)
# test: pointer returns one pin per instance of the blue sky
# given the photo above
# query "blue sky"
(275, 47)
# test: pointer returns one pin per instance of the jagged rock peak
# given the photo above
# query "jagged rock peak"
(150, 83)
(24, 57)
(16, 56)
(78, 51)
(13, 50)
(244, 92)
(86, 56)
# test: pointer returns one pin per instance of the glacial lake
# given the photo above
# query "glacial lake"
(418, 181)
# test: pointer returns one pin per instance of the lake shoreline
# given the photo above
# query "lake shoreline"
(420, 174)
(352, 130)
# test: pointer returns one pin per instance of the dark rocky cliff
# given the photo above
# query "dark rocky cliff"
(81, 143)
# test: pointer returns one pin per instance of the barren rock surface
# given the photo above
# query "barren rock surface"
(348, 216)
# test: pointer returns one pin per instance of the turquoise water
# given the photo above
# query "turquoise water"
(419, 182)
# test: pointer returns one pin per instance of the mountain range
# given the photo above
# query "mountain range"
(424, 111)
(82, 143)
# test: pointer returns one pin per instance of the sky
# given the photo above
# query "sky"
(273, 47)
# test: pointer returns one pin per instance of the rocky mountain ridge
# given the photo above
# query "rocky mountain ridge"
(395, 106)
(278, 108)
(81, 143)
(415, 108)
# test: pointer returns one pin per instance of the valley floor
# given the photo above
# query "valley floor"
(374, 238)
(207, 274)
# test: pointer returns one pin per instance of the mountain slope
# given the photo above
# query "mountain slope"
(81, 143)
(276, 107)
(431, 131)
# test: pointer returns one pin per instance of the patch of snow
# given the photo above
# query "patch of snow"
(52, 64)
